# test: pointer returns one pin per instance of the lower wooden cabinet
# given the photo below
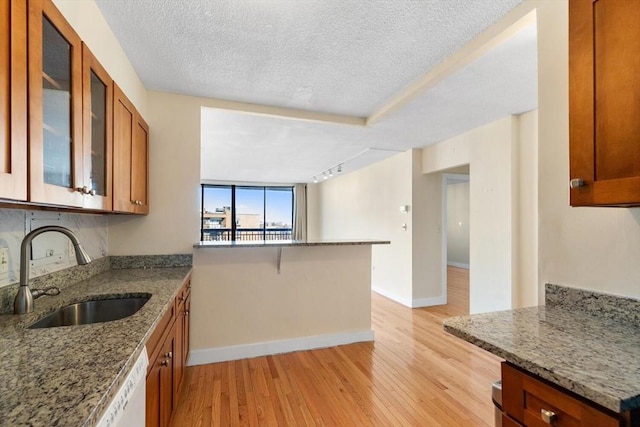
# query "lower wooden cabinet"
(160, 385)
(168, 349)
(529, 401)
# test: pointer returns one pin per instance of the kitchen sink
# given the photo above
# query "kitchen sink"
(94, 311)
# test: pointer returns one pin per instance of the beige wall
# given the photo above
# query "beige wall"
(491, 205)
(365, 204)
(592, 248)
(173, 223)
(322, 294)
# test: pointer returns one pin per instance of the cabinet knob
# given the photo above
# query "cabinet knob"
(165, 363)
(136, 202)
(548, 416)
(169, 355)
(186, 312)
(86, 190)
(576, 183)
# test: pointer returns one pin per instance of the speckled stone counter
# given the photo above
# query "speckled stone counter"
(66, 376)
(579, 341)
(284, 243)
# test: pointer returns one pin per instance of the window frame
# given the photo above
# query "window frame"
(233, 188)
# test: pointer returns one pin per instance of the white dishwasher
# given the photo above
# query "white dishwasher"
(127, 409)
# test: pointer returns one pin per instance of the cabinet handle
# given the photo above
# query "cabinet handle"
(186, 312)
(548, 416)
(169, 355)
(577, 183)
(180, 298)
(136, 202)
(86, 190)
(165, 363)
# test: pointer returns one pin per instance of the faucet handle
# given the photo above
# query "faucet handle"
(50, 291)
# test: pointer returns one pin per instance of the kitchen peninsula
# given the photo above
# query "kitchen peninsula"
(573, 361)
(253, 298)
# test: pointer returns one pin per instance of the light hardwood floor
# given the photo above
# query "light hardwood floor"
(414, 374)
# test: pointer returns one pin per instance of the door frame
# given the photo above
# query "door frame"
(448, 178)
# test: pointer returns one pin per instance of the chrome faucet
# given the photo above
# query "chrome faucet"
(24, 299)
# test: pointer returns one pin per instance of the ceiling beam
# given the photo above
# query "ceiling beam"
(519, 18)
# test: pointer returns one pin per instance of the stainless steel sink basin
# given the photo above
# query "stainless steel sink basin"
(95, 311)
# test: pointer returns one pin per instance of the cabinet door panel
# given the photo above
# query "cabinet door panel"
(123, 122)
(97, 113)
(617, 89)
(139, 166)
(55, 107)
(604, 102)
(13, 99)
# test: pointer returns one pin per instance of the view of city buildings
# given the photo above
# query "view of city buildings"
(253, 205)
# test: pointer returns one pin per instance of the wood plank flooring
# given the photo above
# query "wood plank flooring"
(414, 374)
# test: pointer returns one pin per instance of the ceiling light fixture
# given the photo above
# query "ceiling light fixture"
(315, 179)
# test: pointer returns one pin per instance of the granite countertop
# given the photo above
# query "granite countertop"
(587, 352)
(285, 243)
(66, 376)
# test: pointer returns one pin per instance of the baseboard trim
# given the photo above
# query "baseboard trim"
(411, 303)
(458, 264)
(245, 351)
(428, 302)
(394, 297)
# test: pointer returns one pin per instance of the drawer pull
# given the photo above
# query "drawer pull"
(548, 416)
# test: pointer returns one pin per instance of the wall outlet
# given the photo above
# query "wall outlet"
(4, 260)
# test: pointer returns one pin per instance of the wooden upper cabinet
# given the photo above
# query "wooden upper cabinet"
(13, 99)
(130, 157)
(140, 167)
(97, 115)
(604, 102)
(55, 108)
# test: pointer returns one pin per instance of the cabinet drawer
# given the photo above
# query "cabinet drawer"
(508, 422)
(535, 403)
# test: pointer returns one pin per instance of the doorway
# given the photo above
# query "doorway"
(455, 239)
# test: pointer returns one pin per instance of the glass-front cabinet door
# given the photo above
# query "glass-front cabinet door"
(55, 108)
(97, 104)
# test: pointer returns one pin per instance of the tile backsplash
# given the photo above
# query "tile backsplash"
(91, 231)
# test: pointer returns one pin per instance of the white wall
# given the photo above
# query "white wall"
(491, 205)
(592, 248)
(458, 224)
(365, 204)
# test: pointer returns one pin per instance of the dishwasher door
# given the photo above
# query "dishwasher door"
(127, 408)
(496, 397)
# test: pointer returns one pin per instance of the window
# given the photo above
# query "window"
(231, 212)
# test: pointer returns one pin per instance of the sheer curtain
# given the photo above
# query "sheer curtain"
(300, 212)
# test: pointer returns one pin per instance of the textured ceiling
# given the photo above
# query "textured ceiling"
(253, 148)
(335, 56)
(346, 57)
